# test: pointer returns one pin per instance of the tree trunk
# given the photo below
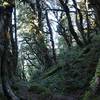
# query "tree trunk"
(5, 18)
(96, 5)
(72, 31)
(51, 38)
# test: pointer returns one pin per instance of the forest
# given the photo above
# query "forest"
(49, 49)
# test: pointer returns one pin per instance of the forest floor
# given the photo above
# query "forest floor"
(24, 94)
(27, 95)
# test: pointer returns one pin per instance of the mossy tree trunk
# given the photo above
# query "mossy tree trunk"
(96, 5)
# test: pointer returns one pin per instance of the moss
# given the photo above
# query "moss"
(38, 89)
(97, 74)
(87, 95)
(90, 96)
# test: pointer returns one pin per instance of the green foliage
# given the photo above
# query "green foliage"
(93, 83)
(76, 66)
(73, 74)
(53, 70)
(38, 89)
(55, 82)
(97, 74)
(80, 73)
(89, 96)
